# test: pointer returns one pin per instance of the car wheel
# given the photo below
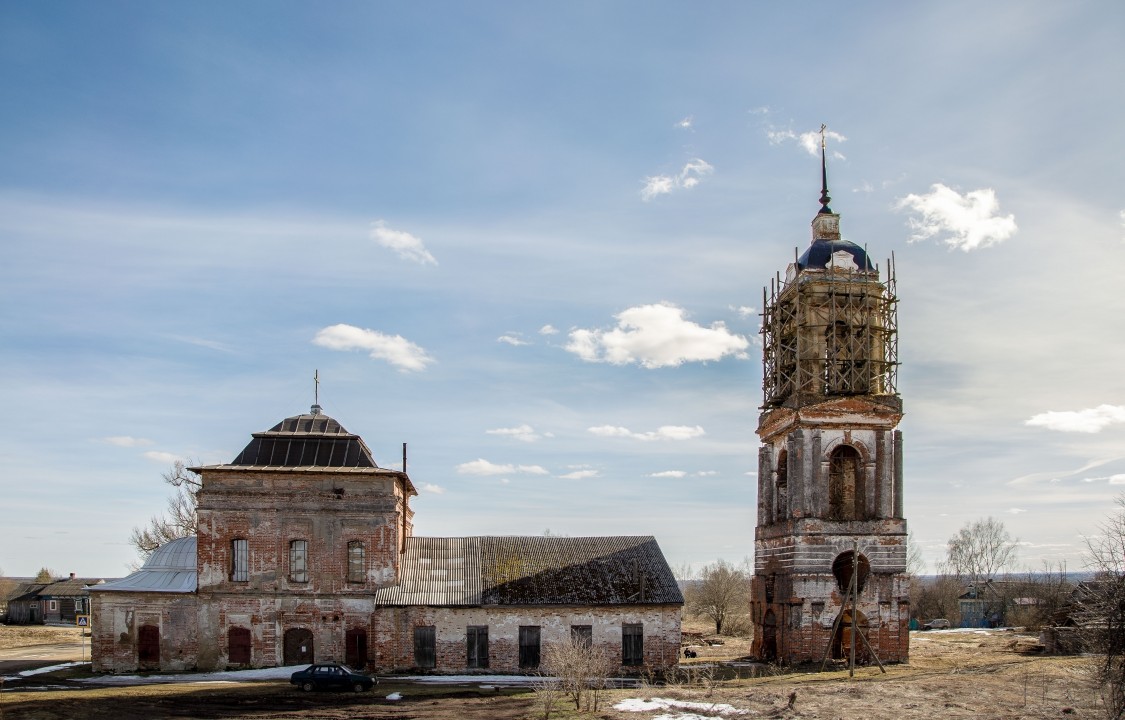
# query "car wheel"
(307, 687)
(358, 687)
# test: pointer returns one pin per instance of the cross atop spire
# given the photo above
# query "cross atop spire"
(824, 199)
(316, 393)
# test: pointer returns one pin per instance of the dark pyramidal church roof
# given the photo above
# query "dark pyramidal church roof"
(309, 440)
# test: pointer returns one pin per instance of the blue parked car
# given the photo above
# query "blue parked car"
(331, 676)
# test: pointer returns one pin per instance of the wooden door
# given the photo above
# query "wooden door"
(298, 646)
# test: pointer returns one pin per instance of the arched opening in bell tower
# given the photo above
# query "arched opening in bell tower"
(781, 494)
(846, 489)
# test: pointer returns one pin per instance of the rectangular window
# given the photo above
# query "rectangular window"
(299, 560)
(357, 562)
(529, 647)
(240, 560)
(476, 646)
(425, 655)
(54, 605)
(632, 644)
(582, 635)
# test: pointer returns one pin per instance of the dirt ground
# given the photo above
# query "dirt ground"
(951, 674)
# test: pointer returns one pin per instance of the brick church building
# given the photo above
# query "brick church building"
(830, 483)
(305, 552)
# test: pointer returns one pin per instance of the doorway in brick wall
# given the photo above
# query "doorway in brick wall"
(298, 646)
(355, 648)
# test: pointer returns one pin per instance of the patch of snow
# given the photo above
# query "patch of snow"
(395, 696)
(639, 705)
(50, 668)
(276, 673)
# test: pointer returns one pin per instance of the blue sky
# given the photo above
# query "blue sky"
(530, 240)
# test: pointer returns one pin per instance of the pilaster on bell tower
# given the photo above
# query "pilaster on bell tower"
(830, 463)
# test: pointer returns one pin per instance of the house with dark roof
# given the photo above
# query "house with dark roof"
(306, 552)
(58, 601)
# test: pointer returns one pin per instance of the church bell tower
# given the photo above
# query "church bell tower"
(830, 462)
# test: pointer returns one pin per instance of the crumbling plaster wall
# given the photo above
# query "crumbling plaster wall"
(116, 618)
(328, 510)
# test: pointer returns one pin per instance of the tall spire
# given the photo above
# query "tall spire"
(824, 199)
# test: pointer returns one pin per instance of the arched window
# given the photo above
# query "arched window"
(846, 492)
(845, 359)
(299, 561)
(357, 562)
(781, 493)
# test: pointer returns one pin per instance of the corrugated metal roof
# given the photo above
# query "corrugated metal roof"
(171, 568)
(533, 570)
(437, 571)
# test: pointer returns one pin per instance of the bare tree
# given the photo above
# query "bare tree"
(582, 670)
(179, 520)
(1102, 605)
(915, 561)
(980, 550)
(721, 593)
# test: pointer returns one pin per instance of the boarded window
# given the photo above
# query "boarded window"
(299, 560)
(632, 644)
(355, 647)
(582, 635)
(846, 492)
(240, 560)
(529, 647)
(476, 646)
(357, 562)
(148, 645)
(238, 646)
(425, 641)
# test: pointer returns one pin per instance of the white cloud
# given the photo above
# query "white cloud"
(526, 433)
(395, 349)
(664, 432)
(810, 141)
(745, 311)
(127, 441)
(435, 489)
(707, 473)
(579, 475)
(403, 244)
(668, 474)
(548, 330)
(1090, 420)
(690, 176)
(685, 123)
(513, 339)
(1016, 511)
(1118, 479)
(968, 221)
(481, 466)
(656, 336)
(1122, 216)
(164, 457)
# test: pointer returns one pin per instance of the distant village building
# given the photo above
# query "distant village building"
(305, 552)
(830, 483)
(58, 601)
